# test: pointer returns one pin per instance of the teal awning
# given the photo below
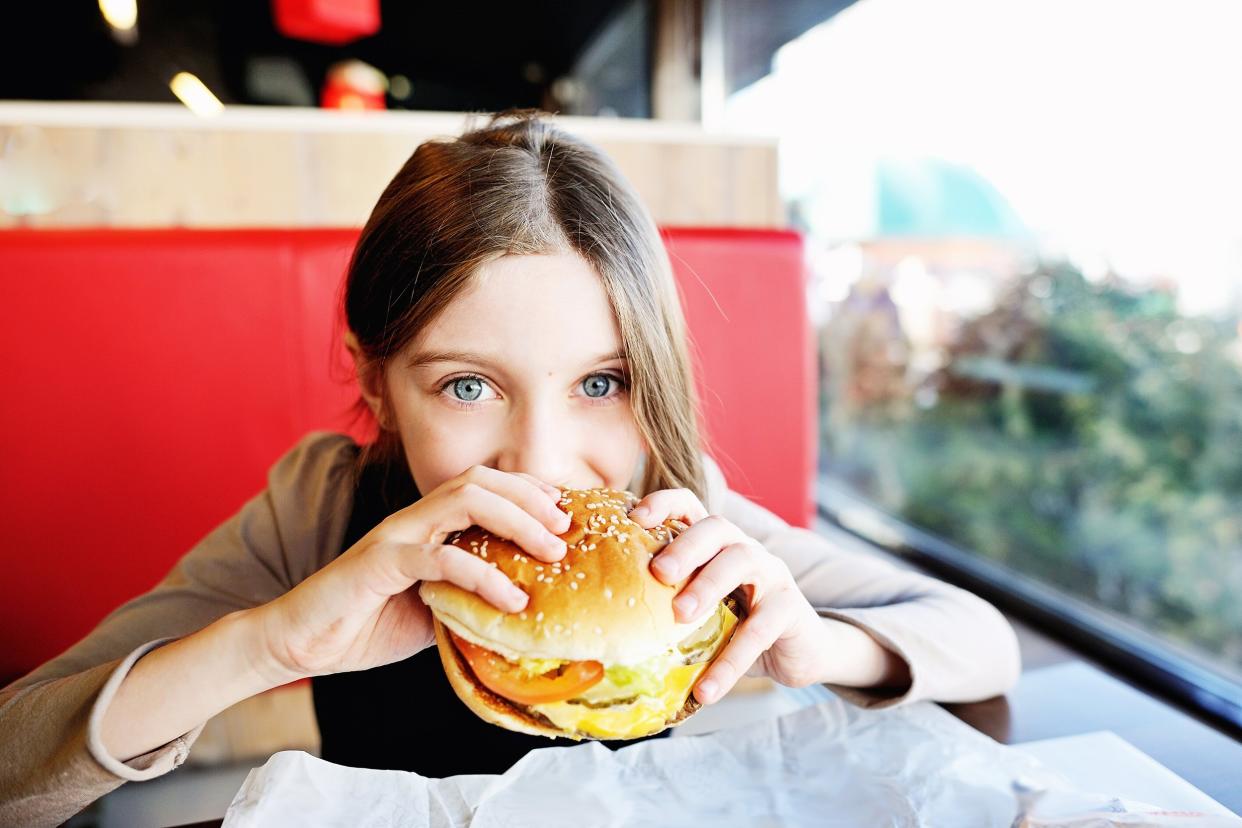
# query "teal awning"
(933, 198)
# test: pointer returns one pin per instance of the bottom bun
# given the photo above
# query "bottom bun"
(498, 710)
(486, 705)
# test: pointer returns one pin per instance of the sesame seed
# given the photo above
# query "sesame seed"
(539, 616)
(573, 584)
(483, 552)
(580, 575)
(539, 569)
(558, 628)
(522, 615)
(608, 593)
(538, 577)
(493, 565)
(599, 630)
(630, 602)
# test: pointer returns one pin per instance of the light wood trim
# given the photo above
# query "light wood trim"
(152, 165)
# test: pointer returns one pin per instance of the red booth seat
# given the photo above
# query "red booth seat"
(154, 376)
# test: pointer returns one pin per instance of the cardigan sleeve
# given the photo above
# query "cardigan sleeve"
(957, 646)
(52, 759)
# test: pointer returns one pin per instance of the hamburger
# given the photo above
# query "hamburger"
(596, 654)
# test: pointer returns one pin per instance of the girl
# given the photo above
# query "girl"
(515, 329)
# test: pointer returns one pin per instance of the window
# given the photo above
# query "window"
(1023, 219)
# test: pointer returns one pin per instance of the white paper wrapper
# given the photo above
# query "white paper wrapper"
(1070, 809)
(828, 765)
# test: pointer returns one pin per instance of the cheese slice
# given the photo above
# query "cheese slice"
(647, 714)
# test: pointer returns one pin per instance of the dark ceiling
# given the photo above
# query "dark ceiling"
(755, 29)
(458, 56)
(464, 55)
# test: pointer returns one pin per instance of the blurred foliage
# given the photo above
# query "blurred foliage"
(1082, 433)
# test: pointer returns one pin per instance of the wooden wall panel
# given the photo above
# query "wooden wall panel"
(138, 165)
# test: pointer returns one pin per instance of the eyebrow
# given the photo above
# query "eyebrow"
(430, 357)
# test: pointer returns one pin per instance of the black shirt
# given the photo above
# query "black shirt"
(405, 715)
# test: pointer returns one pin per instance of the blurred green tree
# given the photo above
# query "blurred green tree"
(1083, 433)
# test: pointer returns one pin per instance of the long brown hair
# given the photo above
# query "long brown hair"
(520, 185)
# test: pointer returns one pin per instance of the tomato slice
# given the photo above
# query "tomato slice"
(503, 677)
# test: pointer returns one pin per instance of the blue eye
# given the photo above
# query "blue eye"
(598, 385)
(468, 389)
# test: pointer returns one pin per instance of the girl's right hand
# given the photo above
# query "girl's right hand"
(360, 611)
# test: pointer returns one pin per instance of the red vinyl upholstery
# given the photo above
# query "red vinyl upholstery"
(153, 376)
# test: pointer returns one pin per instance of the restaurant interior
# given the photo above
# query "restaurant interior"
(962, 284)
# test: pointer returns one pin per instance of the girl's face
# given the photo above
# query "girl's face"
(522, 372)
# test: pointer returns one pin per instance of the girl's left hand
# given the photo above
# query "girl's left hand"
(782, 637)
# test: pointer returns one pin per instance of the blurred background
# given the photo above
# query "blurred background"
(1022, 225)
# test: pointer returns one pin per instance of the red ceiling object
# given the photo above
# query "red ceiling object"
(326, 21)
(352, 84)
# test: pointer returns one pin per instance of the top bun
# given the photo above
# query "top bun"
(599, 603)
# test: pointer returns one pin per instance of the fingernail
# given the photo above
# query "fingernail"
(519, 598)
(556, 546)
(666, 568)
(640, 514)
(708, 690)
(686, 604)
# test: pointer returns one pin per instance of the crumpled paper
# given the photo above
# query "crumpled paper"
(832, 764)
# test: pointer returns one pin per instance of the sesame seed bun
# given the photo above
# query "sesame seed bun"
(600, 603)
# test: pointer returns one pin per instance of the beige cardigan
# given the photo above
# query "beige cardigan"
(52, 760)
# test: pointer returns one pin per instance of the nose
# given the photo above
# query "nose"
(540, 442)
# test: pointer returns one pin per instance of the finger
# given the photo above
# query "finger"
(549, 490)
(694, 547)
(528, 492)
(502, 517)
(432, 562)
(658, 507)
(520, 511)
(752, 639)
(735, 565)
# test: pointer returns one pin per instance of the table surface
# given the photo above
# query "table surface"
(1076, 697)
